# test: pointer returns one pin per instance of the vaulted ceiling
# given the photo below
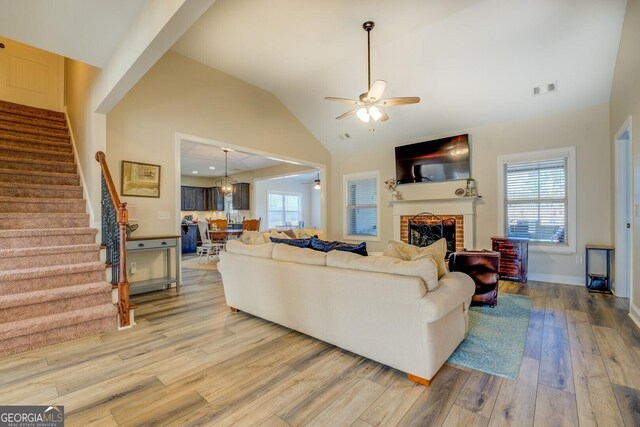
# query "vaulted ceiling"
(472, 62)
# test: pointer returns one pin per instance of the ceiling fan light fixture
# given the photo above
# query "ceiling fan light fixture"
(363, 115)
(375, 113)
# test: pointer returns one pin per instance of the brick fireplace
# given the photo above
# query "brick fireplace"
(462, 209)
(459, 224)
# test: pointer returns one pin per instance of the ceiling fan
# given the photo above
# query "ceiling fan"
(370, 103)
(316, 182)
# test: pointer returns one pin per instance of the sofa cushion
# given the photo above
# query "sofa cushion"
(407, 252)
(252, 238)
(261, 251)
(299, 243)
(310, 232)
(423, 267)
(299, 255)
(324, 246)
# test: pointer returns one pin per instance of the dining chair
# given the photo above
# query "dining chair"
(207, 245)
(218, 235)
(251, 224)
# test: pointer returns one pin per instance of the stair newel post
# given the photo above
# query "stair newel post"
(123, 283)
(115, 218)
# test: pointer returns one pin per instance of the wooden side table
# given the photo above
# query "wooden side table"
(514, 255)
(596, 282)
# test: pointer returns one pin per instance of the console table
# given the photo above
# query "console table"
(514, 254)
(156, 243)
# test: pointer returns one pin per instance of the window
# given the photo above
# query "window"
(361, 199)
(283, 209)
(539, 199)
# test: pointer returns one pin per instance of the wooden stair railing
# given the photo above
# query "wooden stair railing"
(114, 222)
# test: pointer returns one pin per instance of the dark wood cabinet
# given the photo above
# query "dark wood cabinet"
(192, 198)
(189, 238)
(214, 198)
(241, 199)
(514, 255)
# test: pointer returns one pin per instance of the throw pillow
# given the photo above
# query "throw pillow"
(407, 252)
(252, 238)
(324, 246)
(310, 232)
(299, 243)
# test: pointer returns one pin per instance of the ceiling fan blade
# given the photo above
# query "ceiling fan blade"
(390, 102)
(377, 89)
(348, 113)
(345, 100)
(384, 116)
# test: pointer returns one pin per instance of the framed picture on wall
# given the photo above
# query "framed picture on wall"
(140, 179)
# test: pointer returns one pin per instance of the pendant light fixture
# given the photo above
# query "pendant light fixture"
(316, 182)
(225, 183)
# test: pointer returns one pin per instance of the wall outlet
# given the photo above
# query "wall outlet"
(133, 268)
(579, 259)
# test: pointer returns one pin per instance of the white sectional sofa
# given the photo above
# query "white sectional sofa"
(389, 317)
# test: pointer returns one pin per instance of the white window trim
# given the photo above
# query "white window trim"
(283, 193)
(345, 203)
(570, 153)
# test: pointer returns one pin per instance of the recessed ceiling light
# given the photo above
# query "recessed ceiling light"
(546, 88)
(194, 171)
(212, 167)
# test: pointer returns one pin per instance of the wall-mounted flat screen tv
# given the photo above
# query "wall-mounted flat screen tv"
(442, 159)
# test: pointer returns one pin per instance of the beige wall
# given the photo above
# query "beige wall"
(181, 95)
(587, 129)
(86, 127)
(625, 102)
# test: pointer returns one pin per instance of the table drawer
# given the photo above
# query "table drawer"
(151, 244)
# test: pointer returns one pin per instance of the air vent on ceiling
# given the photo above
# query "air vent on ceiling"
(344, 136)
(546, 88)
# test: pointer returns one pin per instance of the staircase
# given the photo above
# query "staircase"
(52, 283)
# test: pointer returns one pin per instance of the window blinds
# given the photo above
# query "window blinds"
(362, 207)
(536, 200)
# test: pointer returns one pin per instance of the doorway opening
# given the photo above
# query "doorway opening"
(624, 211)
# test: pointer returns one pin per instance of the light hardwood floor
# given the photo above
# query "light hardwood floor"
(189, 361)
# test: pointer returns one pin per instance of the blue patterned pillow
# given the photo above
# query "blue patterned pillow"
(324, 246)
(300, 243)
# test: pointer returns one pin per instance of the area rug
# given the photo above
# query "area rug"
(496, 338)
(200, 264)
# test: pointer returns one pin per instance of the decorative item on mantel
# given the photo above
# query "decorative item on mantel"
(470, 191)
(392, 186)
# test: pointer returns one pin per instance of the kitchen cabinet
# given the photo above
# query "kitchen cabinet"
(192, 198)
(214, 198)
(241, 199)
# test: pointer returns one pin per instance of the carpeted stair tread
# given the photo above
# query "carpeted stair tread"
(47, 232)
(59, 147)
(30, 166)
(29, 128)
(45, 323)
(43, 191)
(44, 138)
(30, 252)
(47, 295)
(32, 120)
(56, 336)
(35, 154)
(54, 270)
(26, 220)
(41, 205)
(31, 111)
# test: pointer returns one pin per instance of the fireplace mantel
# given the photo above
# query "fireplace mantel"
(448, 206)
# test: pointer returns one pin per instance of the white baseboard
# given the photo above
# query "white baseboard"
(556, 278)
(634, 314)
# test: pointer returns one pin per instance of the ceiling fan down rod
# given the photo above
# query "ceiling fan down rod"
(368, 26)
